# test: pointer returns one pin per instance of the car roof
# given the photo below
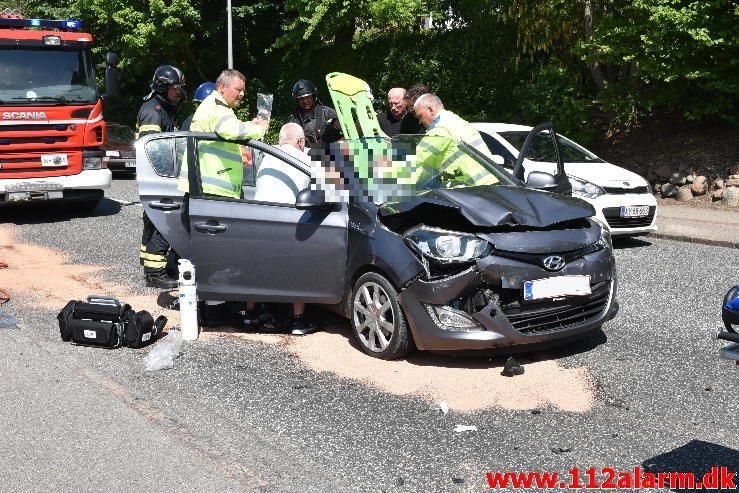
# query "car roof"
(501, 127)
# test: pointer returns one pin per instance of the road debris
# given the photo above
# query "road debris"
(463, 428)
(442, 406)
(165, 352)
(512, 368)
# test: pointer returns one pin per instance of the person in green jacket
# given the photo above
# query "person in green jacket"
(439, 160)
(221, 163)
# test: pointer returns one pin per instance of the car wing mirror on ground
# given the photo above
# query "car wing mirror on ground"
(314, 200)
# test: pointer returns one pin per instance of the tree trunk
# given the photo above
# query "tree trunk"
(595, 69)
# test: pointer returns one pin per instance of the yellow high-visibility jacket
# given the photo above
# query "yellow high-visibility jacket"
(440, 158)
(221, 168)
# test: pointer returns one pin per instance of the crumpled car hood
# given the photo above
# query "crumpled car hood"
(497, 206)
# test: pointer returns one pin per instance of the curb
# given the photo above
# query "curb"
(695, 239)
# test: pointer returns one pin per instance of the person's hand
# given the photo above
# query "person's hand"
(261, 122)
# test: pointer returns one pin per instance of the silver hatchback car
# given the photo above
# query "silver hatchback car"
(504, 266)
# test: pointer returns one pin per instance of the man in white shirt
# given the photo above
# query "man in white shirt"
(277, 181)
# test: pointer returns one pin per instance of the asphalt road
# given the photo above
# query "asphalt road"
(240, 416)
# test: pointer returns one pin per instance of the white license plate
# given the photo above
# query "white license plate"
(53, 160)
(554, 287)
(113, 153)
(634, 210)
(130, 164)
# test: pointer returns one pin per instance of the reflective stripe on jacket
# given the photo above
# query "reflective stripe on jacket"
(221, 168)
(155, 115)
(440, 159)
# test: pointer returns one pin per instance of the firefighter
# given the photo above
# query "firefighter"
(202, 92)
(158, 114)
(320, 123)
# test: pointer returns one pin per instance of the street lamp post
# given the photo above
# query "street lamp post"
(230, 35)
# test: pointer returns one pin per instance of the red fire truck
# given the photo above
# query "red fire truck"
(51, 114)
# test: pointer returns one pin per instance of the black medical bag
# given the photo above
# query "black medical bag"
(106, 322)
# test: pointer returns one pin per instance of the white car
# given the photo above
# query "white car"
(622, 199)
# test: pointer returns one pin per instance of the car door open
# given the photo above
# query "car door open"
(159, 158)
(265, 251)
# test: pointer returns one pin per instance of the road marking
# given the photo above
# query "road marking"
(124, 202)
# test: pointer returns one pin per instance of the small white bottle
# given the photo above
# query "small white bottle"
(188, 301)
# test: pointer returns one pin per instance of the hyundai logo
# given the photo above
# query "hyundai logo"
(555, 262)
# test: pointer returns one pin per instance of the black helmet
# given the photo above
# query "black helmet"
(165, 76)
(303, 88)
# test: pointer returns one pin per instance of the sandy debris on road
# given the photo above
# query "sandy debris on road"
(467, 384)
(44, 277)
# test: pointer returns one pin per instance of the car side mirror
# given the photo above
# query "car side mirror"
(314, 200)
(542, 181)
(111, 59)
(111, 75)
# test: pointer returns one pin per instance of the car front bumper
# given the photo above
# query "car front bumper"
(608, 207)
(515, 323)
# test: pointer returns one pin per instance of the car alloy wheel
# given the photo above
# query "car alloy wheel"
(377, 318)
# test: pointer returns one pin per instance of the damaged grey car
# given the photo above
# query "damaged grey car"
(507, 266)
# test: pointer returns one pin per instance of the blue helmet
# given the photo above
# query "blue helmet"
(203, 91)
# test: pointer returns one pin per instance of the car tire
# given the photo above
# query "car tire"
(378, 323)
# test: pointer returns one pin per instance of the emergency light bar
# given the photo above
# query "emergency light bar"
(66, 25)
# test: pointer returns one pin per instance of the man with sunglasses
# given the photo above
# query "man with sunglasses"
(158, 113)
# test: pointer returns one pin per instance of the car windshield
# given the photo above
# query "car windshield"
(46, 76)
(401, 168)
(542, 149)
(120, 133)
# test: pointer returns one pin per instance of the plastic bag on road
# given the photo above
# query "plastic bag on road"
(165, 352)
(7, 320)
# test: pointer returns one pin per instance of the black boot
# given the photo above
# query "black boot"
(160, 280)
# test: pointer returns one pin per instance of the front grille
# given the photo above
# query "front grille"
(546, 317)
(31, 140)
(623, 191)
(40, 127)
(538, 258)
(613, 216)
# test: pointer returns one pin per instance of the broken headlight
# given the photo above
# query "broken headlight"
(447, 246)
(604, 242)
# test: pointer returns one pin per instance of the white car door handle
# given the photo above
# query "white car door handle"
(164, 206)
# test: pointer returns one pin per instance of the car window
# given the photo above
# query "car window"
(166, 155)
(251, 155)
(542, 148)
(497, 148)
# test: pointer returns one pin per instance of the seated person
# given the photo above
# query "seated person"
(280, 182)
